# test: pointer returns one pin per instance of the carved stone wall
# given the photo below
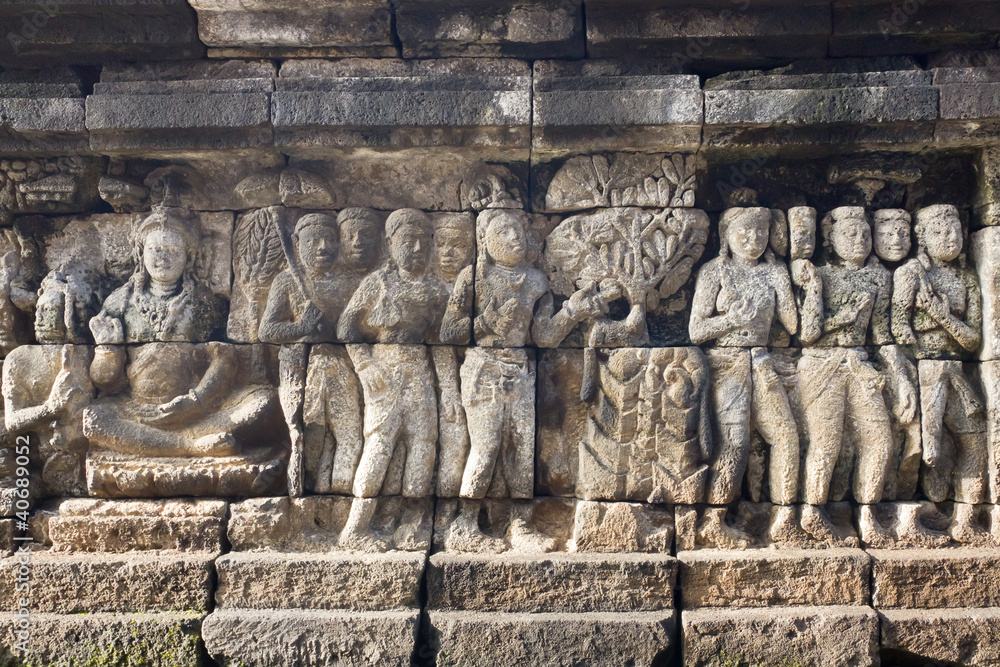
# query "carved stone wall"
(514, 333)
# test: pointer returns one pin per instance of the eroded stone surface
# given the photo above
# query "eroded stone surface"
(138, 525)
(72, 583)
(841, 636)
(526, 583)
(162, 639)
(765, 578)
(934, 578)
(310, 637)
(961, 636)
(637, 638)
(360, 582)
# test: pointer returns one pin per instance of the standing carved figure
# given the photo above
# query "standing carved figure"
(847, 304)
(892, 245)
(737, 296)
(398, 307)
(514, 306)
(937, 312)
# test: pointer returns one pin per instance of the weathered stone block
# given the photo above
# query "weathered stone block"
(310, 638)
(522, 583)
(987, 198)
(138, 525)
(184, 107)
(935, 578)
(169, 639)
(809, 103)
(341, 580)
(94, 32)
(328, 28)
(806, 636)
(476, 103)
(617, 105)
(957, 636)
(509, 28)
(87, 583)
(769, 578)
(314, 523)
(638, 639)
(886, 27)
(42, 111)
(699, 32)
(970, 105)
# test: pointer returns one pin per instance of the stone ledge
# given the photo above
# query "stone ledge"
(508, 28)
(339, 580)
(520, 583)
(963, 636)
(288, 28)
(88, 583)
(770, 577)
(935, 578)
(276, 638)
(803, 636)
(151, 640)
(638, 639)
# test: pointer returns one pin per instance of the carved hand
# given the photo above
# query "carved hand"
(311, 319)
(180, 405)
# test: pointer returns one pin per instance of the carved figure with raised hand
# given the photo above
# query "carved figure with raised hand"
(15, 297)
(165, 299)
(307, 298)
(401, 302)
(737, 296)
(841, 390)
(513, 307)
(45, 389)
(937, 313)
(65, 306)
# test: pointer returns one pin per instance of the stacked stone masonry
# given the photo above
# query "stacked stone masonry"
(547, 332)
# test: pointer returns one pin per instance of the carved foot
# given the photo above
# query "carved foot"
(816, 523)
(873, 533)
(963, 528)
(784, 529)
(365, 540)
(912, 531)
(524, 538)
(216, 444)
(715, 532)
(465, 536)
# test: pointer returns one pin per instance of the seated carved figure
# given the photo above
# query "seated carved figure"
(180, 399)
(164, 300)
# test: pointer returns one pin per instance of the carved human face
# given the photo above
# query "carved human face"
(892, 237)
(50, 326)
(317, 247)
(749, 233)
(506, 241)
(164, 255)
(454, 252)
(358, 246)
(852, 238)
(410, 248)
(942, 236)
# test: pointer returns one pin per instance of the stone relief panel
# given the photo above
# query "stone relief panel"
(185, 419)
(653, 180)
(353, 276)
(47, 185)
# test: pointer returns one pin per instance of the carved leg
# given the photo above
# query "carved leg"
(485, 440)
(357, 533)
(104, 428)
(824, 396)
(774, 420)
(731, 391)
(870, 423)
(464, 534)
